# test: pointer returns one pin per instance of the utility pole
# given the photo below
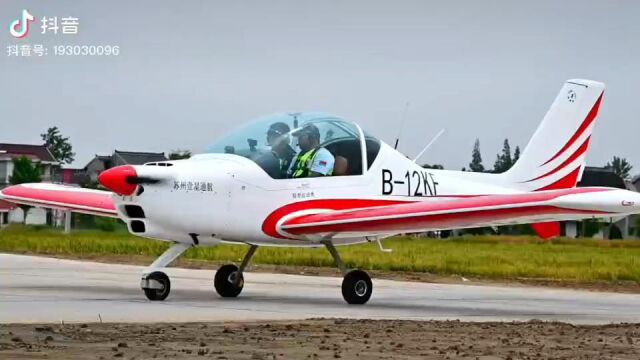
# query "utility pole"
(67, 222)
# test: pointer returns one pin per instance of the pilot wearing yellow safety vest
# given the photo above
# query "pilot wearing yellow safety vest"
(312, 160)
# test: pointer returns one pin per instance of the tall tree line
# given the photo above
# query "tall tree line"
(504, 159)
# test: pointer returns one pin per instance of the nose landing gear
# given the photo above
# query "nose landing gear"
(156, 286)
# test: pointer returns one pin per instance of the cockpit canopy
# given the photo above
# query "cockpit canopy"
(266, 139)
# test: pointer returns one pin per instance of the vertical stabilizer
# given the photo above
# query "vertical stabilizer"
(555, 155)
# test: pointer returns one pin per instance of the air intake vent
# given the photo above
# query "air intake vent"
(137, 226)
(134, 211)
(159, 164)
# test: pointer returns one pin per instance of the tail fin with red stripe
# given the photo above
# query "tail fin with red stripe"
(555, 155)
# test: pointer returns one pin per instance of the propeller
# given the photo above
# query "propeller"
(139, 180)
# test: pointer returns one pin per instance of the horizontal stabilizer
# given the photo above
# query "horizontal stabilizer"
(547, 230)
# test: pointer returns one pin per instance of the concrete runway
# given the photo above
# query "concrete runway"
(36, 289)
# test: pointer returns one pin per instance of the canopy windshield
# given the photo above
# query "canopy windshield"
(266, 139)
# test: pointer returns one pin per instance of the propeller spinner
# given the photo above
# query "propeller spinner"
(122, 180)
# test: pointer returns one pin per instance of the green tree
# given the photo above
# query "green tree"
(434, 166)
(476, 159)
(590, 227)
(179, 154)
(516, 155)
(503, 160)
(620, 166)
(59, 145)
(25, 171)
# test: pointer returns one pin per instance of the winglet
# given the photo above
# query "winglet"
(547, 230)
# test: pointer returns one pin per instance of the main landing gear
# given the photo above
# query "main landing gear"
(356, 284)
(229, 280)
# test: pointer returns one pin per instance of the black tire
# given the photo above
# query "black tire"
(357, 287)
(224, 281)
(158, 294)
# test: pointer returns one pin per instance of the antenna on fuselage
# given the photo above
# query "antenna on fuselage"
(295, 119)
(429, 145)
(402, 121)
(295, 126)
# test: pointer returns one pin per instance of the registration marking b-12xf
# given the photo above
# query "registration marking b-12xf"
(414, 183)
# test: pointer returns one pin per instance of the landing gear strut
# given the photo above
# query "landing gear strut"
(356, 284)
(229, 280)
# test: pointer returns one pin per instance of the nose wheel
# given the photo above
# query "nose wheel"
(156, 286)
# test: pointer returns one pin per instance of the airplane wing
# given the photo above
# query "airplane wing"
(87, 201)
(480, 211)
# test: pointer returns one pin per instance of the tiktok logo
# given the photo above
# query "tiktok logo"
(22, 24)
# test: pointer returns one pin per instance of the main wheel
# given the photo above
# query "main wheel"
(226, 283)
(356, 287)
(161, 293)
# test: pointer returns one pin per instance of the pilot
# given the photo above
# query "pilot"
(312, 160)
(278, 139)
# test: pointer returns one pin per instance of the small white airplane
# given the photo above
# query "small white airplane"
(239, 193)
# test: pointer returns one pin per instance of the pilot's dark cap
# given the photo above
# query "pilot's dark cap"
(310, 130)
(278, 128)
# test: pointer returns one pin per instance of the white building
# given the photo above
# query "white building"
(50, 168)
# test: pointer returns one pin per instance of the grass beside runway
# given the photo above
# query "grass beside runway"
(489, 257)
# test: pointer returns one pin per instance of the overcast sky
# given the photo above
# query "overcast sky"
(189, 71)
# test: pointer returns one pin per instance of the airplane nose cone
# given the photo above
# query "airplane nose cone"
(116, 179)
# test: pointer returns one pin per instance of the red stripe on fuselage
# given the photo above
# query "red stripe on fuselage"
(409, 209)
(269, 224)
(436, 221)
(376, 208)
